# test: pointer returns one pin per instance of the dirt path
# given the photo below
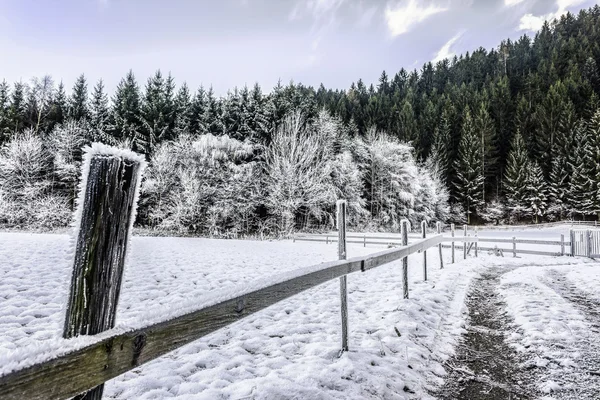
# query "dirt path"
(485, 367)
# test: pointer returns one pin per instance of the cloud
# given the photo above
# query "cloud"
(510, 3)
(530, 22)
(408, 13)
(447, 51)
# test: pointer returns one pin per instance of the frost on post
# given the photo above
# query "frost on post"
(103, 220)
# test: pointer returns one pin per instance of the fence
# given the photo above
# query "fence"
(472, 243)
(106, 206)
(585, 242)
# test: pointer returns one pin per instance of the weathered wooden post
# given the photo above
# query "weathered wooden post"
(404, 232)
(439, 232)
(562, 244)
(476, 243)
(452, 229)
(465, 242)
(365, 240)
(514, 246)
(341, 225)
(108, 194)
(424, 233)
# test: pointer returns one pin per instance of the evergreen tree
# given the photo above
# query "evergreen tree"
(183, 111)
(537, 192)
(580, 185)
(18, 108)
(199, 125)
(155, 114)
(469, 176)
(558, 189)
(516, 178)
(100, 114)
(213, 114)
(484, 127)
(78, 104)
(126, 110)
(593, 158)
(5, 121)
(59, 106)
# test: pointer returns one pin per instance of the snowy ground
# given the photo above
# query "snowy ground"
(286, 351)
(290, 350)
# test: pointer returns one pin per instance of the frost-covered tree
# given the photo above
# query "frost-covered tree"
(205, 185)
(66, 142)
(390, 175)
(558, 188)
(183, 111)
(26, 199)
(469, 175)
(515, 179)
(156, 113)
(42, 92)
(536, 192)
(298, 173)
(4, 111)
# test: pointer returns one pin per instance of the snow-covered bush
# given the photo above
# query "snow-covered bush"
(494, 212)
(27, 198)
(207, 184)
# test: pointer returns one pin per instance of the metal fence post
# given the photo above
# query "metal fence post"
(404, 232)
(424, 234)
(452, 229)
(341, 224)
(439, 232)
(106, 210)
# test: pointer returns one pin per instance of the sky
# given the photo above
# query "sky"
(230, 43)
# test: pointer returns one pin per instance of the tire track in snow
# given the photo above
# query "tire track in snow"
(581, 381)
(485, 366)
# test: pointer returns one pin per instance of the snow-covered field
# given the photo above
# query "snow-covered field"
(289, 350)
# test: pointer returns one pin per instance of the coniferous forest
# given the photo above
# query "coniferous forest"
(510, 134)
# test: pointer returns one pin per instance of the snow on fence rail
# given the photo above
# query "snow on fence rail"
(99, 256)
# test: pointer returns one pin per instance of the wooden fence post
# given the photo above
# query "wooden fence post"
(365, 241)
(439, 232)
(341, 224)
(424, 234)
(476, 243)
(588, 240)
(514, 246)
(572, 236)
(465, 242)
(562, 244)
(452, 229)
(404, 231)
(105, 206)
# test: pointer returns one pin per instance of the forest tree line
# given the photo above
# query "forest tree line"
(512, 133)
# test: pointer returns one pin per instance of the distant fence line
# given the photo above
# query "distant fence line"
(470, 243)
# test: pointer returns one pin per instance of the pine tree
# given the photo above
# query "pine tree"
(593, 157)
(126, 110)
(213, 114)
(155, 114)
(198, 125)
(59, 106)
(537, 193)
(100, 114)
(183, 111)
(78, 104)
(5, 122)
(580, 188)
(469, 177)
(487, 140)
(18, 108)
(515, 178)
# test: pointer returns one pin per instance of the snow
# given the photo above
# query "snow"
(288, 350)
